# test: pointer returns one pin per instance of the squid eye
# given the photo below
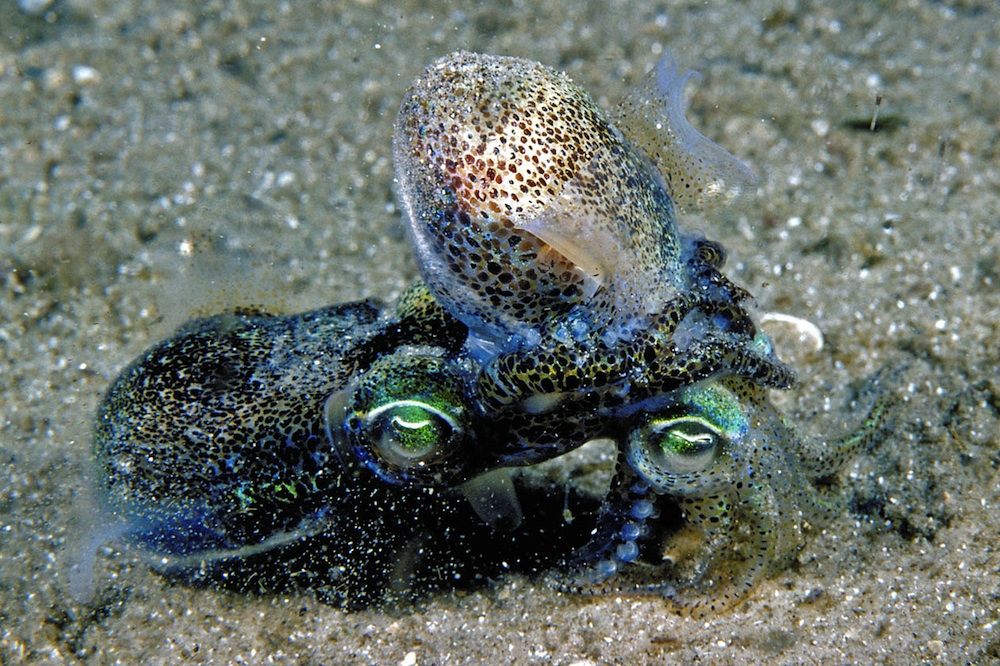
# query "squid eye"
(685, 445)
(413, 433)
(670, 453)
(405, 419)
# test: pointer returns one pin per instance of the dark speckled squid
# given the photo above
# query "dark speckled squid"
(562, 304)
(232, 440)
(553, 237)
(743, 481)
(550, 231)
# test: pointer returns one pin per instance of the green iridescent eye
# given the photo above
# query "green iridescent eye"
(672, 453)
(409, 432)
(405, 419)
(686, 444)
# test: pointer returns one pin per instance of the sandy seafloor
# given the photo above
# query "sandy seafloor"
(161, 160)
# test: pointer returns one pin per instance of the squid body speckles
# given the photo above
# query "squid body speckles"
(562, 303)
(743, 481)
(524, 199)
(534, 216)
(209, 440)
(553, 238)
(238, 435)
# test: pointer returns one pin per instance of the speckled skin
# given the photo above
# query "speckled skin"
(550, 240)
(553, 237)
(245, 433)
(492, 152)
(325, 451)
(742, 480)
(543, 229)
(215, 443)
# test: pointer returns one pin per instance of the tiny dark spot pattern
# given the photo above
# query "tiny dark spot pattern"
(562, 303)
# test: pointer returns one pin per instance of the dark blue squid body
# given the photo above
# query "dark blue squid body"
(213, 448)
(213, 439)
(227, 453)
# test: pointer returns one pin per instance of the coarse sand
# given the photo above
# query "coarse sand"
(164, 160)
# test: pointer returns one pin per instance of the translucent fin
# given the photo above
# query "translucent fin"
(494, 499)
(592, 237)
(580, 241)
(80, 574)
(698, 172)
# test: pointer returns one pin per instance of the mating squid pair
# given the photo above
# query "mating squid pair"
(562, 303)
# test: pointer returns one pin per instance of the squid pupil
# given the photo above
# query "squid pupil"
(412, 431)
(687, 440)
